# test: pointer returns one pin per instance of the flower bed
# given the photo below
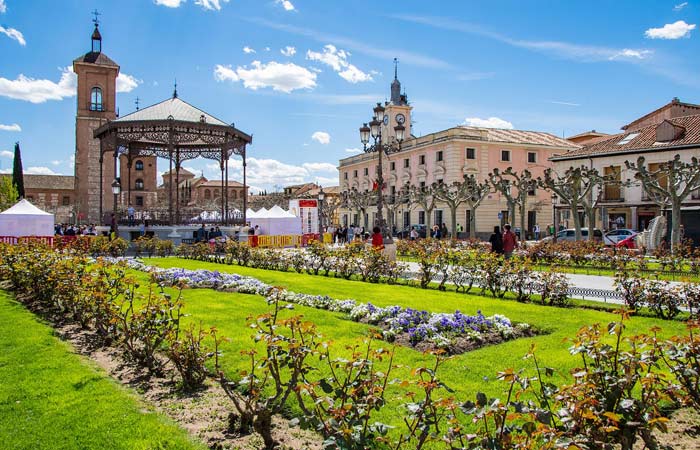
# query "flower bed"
(456, 332)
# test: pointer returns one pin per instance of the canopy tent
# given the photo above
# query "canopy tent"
(275, 221)
(25, 219)
(214, 215)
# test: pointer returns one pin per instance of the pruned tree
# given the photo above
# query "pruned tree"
(17, 172)
(329, 206)
(424, 196)
(398, 200)
(359, 201)
(468, 191)
(576, 188)
(515, 187)
(670, 184)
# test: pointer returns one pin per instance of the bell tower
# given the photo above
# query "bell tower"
(397, 111)
(96, 105)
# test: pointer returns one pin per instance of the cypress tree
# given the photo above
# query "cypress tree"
(17, 173)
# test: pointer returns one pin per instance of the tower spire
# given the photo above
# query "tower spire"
(175, 91)
(96, 36)
(396, 69)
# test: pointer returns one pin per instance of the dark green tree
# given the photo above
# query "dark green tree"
(17, 173)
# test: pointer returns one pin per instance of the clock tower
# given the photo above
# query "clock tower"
(96, 105)
(397, 111)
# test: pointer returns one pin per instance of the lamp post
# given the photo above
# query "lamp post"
(321, 197)
(381, 147)
(116, 189)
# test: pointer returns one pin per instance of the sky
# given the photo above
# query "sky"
(302, 76)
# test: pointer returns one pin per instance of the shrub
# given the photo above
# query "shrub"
(189, 353)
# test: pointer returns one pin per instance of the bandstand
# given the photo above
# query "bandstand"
(177, 131)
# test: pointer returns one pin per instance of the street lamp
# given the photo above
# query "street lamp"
(381, 146)
(116, 189)
(321, 197)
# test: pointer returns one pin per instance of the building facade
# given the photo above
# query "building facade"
(447, 156)
(52, 193)
(659, 141)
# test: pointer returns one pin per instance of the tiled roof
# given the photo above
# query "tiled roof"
(521, 137)
(47, 182)
(178, 109)
(644, 140)
(96, 58)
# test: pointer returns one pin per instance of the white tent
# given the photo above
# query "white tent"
(276, 221)
(25, 219)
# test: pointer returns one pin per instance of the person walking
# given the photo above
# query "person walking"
(130, 212)
(414, 234)
(496, 241)
(443, 231)
(537, 232)
(510, 241)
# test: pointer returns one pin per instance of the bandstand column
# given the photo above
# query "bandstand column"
(102, 159)
(177, 185)
(245, 190)
(227, 204)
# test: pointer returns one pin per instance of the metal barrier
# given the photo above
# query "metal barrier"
(18, 239)
(287, 240)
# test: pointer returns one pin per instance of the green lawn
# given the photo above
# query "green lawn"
(51, 398)
(467, 373)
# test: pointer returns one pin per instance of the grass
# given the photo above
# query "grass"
(467, 373)
(51, 398)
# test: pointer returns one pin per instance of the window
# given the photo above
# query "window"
(216, 193)
(421, 160)
(471, 153)
(392, 165)
(438, 217)
(406, 219)
(505, 155)
(354, 173)
(439, 180)
(531, 157)
(612, 191)
(138, 185)
(421, 217)
(30, 198)
(66, 200)
(468, 221)
(406, 163)
(628, 138)
(96, 99)
(438, 156)
(531, 192)
(139, 200)
(366, 171)
(422, 184)
(138, 165)
(695, 195)
(345, 175)
(207, 194)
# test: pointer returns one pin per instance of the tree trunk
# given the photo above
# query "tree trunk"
(428, 213)
(472, 223)
(577, 220)
(590, 214)
(453, 211)
(263, 426)
(523, 212)
(675, 225)
(511, 213)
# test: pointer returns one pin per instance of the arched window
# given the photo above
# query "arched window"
(139, 184)
(207, 194)
(234, 194)
(216, 193)
(96, 99)
(139, 165)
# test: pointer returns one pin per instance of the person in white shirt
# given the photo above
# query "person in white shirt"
(414, 234)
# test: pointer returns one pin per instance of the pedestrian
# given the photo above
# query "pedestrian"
(350, 233)
(130, 212)
(257, 231)
(443, 230)
(551, 229)
(459, 230)
(414, 234)
(202, 234)
(435, 234)
(537, 232)
(496, 241)
(377, 239)
(510, 241)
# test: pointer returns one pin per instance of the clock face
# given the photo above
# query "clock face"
(386, 120)
(400, 119)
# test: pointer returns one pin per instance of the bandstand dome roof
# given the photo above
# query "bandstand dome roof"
(173, 107)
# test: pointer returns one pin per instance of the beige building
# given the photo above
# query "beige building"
(656, 137)
(446, 156)
(52, 193)
(201, 192)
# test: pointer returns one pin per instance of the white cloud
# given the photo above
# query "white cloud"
(337, 59)
(39, 91)
(13, 34)
(321, 137)
(288, 51)
(559, 102)
(353, 150)
(280, 77)
(7, 154)
(267, 49)
(210, 5)
(56, 162)
(630, 54)
(3, 6)
(680, 6)
(267, 173)
(13, 127)
(675, 30)
(127, 83)
(286, 4)
(71, 161)
(320, 167)
(169, 3)
(491, 122)
(39, 170)
(248, 50)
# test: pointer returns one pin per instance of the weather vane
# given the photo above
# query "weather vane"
(137, 103)
(96, 20)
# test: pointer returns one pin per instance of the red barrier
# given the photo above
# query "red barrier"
(17, 239)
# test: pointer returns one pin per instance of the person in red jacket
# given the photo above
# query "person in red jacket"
(510, 241)
(377, 239)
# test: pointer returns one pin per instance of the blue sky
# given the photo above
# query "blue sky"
(302, 75)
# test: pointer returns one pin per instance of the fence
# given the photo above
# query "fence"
(17, 239)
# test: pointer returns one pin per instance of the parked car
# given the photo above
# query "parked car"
(570, 235)
(406, 232)
(612, 237)
(628, 242)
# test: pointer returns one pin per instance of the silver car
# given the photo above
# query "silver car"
(570, 235)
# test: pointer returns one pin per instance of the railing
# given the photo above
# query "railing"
(20, 239)
(287, 240)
